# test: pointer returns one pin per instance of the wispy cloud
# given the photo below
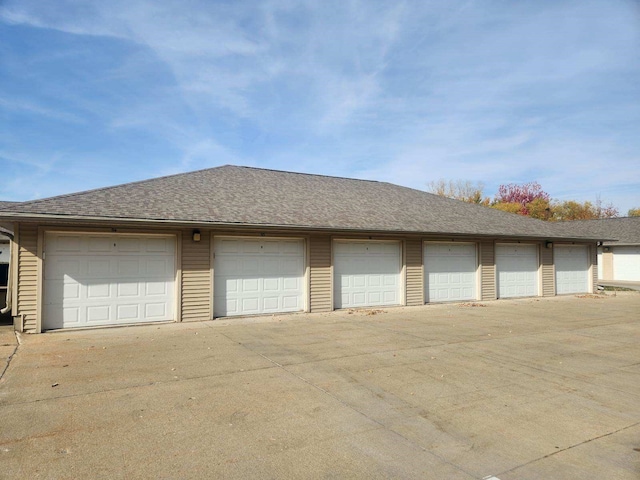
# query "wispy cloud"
(405, 91)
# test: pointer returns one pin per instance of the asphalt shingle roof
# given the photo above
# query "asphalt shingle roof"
(233, 195)
(625, 231)
(6, 204)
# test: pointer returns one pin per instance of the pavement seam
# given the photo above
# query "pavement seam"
(10, 357)
(139, 385)
(352, 408)
(562, 378)
(568, 448)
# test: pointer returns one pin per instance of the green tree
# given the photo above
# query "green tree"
(572, 210)
(540, 208)
(511, 207)
(633, 212)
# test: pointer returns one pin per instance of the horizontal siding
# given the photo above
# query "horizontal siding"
(196, 277)
(487, 271)
(28, 277)
(320, 274)
(548, 272)
(415, 272)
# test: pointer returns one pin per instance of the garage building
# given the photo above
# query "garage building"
(619, 253)
(232, 241)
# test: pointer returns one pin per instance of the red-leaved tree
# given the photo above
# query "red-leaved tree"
(523, 195)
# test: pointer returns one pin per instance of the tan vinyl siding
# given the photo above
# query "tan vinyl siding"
(487, 271)
(415, 271)
(607, 265)
(548, 272)
(28, 277)
(196, 278)
(593, 260)
(320, 274)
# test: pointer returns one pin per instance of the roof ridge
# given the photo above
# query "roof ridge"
(315, 175)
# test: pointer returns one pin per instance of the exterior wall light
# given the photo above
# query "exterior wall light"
(548, 245)
(196, 235)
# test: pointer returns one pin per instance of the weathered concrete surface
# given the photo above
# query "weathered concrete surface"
(521, 389)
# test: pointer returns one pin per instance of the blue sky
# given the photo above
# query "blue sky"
(100, 93)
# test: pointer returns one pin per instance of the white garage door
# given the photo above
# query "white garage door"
(366, 274)
(257, 276)
(107, 280)
(450, 271)
(572, 268)
(626, 263)
(517, 270)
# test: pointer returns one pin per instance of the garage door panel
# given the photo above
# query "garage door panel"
(98, 314)
(70, 317)
(129, 245)
(250, 266)
(71, 244)
(375, 298)
(159, 245)
(128, 312)
(291, 266)
(155, 310)
(390, 280)
(250, 305)
(271, 266)
(89, 282)
(253, 276)
(157, 267)
(270, 304)
(291, 302)
(155, 288)
(98, 291)
(272, 284)
(96, 268)
(129, 289)
(250, 246)
(227, 246)
(249, 285)
(292, 284)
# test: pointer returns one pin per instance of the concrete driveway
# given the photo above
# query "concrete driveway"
(521, 389)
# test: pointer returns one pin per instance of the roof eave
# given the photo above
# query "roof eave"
(34, 217)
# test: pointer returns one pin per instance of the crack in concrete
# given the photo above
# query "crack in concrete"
(570, 447)
(10, 357)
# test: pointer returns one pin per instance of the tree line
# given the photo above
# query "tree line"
(528, 199)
